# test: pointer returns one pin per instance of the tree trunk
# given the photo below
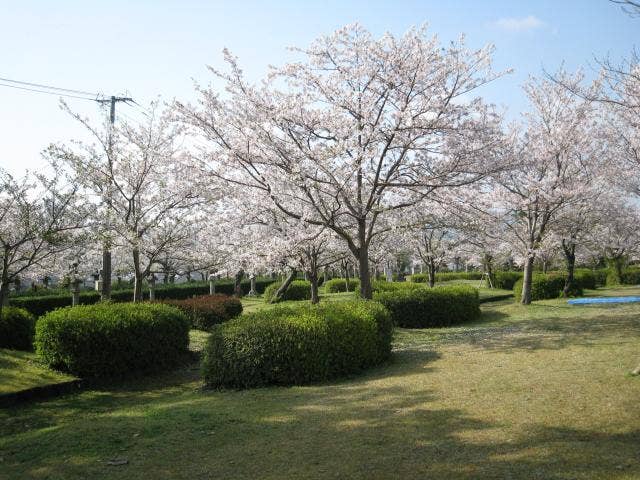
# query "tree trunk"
(152, 287)
(4, 295)
(313, 278)
(237, 285)
(346, 276)
(365, 276)
(252, 290)
(618, 264)
(105, 293)
(525, 299)
(431, 269)
(138, 277)
(487, 263)
(283, 288)
(569, 249)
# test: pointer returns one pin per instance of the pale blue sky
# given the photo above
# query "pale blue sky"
(150, 48)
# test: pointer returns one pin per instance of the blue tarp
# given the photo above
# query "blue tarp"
(584, 301)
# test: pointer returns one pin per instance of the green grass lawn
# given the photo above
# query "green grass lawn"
(525, 392)
(21, 370)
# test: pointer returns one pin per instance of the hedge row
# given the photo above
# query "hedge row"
(445, 276)
(208, 310)
(110, 340)
(382, 286)
(545, 286)
(16, 329)
(418, 278)
(297, 290)
(39, 305)
(448, 276)
(297, 344)
(431, 307)
(505, 279)
(336, 285)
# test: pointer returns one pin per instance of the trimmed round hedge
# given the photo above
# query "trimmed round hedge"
(431, 307)
(545, 286)
(337, 285)
(16, 329)
(112, 339)
(298, 290)
(294, 345)
(208, 310)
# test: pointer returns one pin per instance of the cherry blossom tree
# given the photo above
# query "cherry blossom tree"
(615, 235)
(359, 128)
(40, 218)
(551, 157)
(143, 185)
(433, 239)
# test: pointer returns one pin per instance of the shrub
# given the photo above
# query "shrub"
(112, 339)
(448, 276)
(39, 305)
(630, 276)
(298, 290)
(16, 328)
(585, 278)
(505, 279)
(431, 307)
(395, 286)
(601, 277)
(292, 345)
(419, 278)
(337, 285)
(208, 310)
(545, 287)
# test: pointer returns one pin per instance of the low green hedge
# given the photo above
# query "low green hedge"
(337, 285)
(448, 276)
(16, 328)
(431, 307)
(585, 278)
(545, 286)
(39, 305)
(505, 279)
(293, 345)
(382, 286)
(112, 339)
(418, 278)
(206, 311)
(631, 276)
(601, 277)
(445, 276)
(298, 290)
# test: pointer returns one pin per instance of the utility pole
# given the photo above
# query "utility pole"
(105, 293)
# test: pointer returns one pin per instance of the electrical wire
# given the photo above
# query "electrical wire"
(49, 87)
(49, 93)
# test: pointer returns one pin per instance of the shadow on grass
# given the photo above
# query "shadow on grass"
(364, 429)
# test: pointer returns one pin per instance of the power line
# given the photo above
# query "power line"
(49, 93)
(49, 87)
